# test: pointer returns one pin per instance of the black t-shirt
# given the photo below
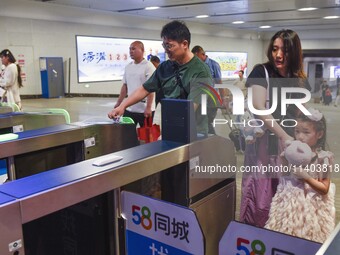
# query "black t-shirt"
(258, 77)
(186, 81)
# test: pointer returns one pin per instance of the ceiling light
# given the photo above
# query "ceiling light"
(202, 16)
(331, 17)
(265, 26)
(238, 22)
(306, 9)
(151, 8)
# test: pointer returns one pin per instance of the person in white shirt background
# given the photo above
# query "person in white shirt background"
(136, 73)
(241, 83)
(10, 80)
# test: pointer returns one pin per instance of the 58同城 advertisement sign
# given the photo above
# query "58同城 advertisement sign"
(243, 239)
(155, 227)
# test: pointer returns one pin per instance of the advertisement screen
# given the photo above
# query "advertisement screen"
(104, 58)
(334, 72)
(230, 62)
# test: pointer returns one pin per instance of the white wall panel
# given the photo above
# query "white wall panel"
(50, 32)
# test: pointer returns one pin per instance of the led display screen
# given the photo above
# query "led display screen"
(230, 62)
(104, 58)
(334, 72)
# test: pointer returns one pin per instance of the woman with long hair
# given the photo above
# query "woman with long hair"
(284, 68)
(10, 79)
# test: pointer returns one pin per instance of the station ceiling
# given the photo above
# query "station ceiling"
(253, 13)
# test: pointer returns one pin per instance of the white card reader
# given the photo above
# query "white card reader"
(105, 160)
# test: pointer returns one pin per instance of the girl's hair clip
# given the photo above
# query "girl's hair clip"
(316, 115)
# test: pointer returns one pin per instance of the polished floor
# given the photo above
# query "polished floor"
(96, 109)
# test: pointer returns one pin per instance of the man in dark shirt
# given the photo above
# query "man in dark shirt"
(183, 75)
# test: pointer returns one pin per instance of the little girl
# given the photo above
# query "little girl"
(303, 205)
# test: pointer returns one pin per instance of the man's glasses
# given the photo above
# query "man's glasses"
(168, 46)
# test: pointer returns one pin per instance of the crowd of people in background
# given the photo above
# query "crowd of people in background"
(327, 93)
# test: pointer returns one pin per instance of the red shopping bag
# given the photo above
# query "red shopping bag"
(149, 132)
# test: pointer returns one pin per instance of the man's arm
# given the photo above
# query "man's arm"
(122, 95)
(224, 93)
(150, 98)
(149, 101)
(134, 98)
(218, 74)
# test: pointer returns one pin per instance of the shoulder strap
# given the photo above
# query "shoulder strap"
(159, 94)
(183, 93)
(267, 79)
(267, 75)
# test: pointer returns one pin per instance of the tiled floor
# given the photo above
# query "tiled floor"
(96, 109)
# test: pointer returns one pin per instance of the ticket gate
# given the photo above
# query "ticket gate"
(5, 109)
(14, 122)
(72, 208)
(75, 209)
(41, 150)
(332, 244)
(48, 148)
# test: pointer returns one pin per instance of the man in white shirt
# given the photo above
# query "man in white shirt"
(241, 83)
(136, 73)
